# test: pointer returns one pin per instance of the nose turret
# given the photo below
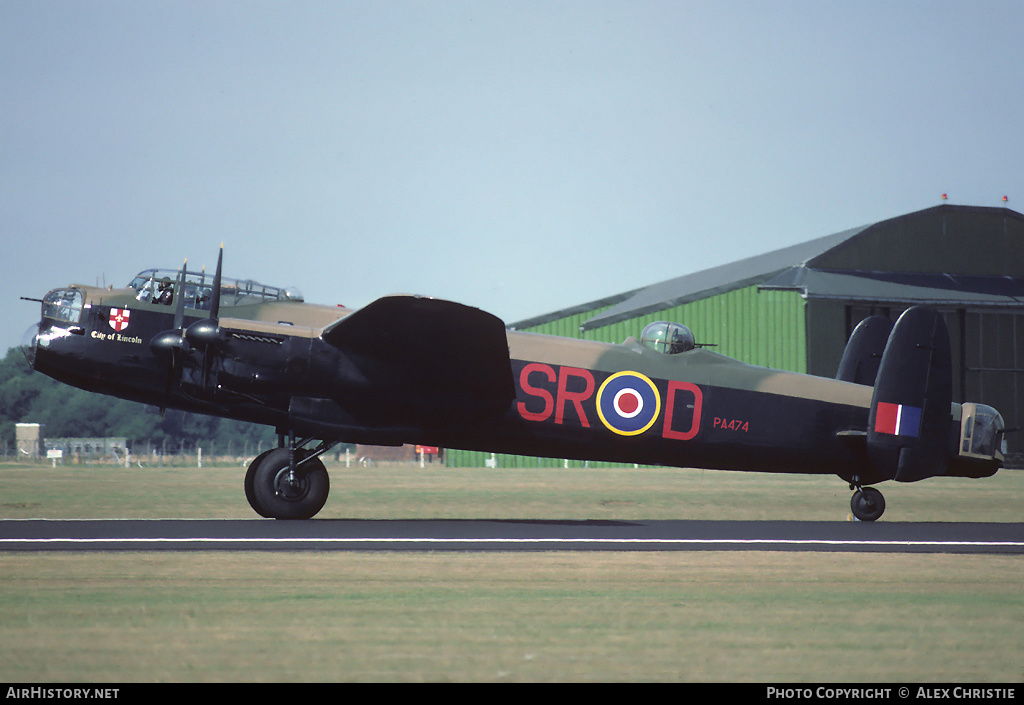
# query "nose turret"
(28, 344)
(58, 333)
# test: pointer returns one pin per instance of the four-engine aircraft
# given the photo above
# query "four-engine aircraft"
(407, 369)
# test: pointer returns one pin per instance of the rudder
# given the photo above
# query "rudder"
(863, 352)
(909, 422)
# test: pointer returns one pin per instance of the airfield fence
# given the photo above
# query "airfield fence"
(144, 453)
(167, 453)
(211, 453)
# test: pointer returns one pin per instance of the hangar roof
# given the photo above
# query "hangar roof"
(934, 289)
(717, 280)
(793, 268)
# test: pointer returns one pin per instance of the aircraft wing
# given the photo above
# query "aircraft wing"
(438, 361)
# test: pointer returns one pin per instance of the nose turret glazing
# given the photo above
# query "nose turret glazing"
(61, 313)
(64, 305)
(28, 344)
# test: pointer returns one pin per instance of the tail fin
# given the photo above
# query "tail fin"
(910, 419)
(863, 352)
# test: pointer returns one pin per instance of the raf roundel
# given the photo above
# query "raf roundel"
(628, 403)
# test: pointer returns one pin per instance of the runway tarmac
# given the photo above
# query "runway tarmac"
(504, 535)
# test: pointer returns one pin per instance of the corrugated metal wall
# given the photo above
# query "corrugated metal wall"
(764, 328)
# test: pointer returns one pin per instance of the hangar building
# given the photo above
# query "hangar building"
(794, 308)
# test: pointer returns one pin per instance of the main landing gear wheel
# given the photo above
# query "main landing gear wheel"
(867, 503)
(275, 492)
(250, 492)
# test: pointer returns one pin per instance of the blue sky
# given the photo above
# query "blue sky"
(516, 156)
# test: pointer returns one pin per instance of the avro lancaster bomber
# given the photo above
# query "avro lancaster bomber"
(407, 369)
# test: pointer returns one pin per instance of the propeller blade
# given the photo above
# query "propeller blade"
(205, 335)
(179, 309)
(171, 344)
(215, 304)
(214, 314)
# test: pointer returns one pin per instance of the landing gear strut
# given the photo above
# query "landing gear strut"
(867, 503)
(289, 482)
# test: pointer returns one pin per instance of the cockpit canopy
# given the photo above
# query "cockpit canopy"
(157, 286)
(668, 338)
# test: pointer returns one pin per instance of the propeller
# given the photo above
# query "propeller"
(179, 343)
(206, 334)
(171, 344)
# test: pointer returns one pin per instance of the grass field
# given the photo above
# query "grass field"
(409, 492)
(562, 616)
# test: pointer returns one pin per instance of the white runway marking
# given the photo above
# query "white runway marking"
(506, 535)
(515, 541)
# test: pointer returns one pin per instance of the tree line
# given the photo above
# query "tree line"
(27, 396)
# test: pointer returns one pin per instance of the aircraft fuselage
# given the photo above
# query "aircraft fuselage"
(573, 398)
(409, 370)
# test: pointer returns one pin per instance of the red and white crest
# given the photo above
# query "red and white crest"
(118, 318)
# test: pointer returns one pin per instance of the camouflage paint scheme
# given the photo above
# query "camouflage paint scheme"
(407, 369)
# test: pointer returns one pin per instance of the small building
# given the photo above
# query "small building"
(794, 308)
(29, 439)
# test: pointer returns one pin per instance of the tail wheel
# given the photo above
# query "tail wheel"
(279, 493)
(867, 504)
